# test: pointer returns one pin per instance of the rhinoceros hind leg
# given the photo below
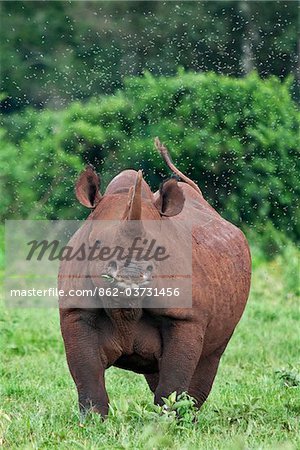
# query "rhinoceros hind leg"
(152, 380)
(204, 376)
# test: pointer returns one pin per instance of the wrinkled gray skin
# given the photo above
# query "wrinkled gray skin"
(177, 349)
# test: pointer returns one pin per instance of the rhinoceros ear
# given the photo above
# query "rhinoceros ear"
(87, 188)
(170, 200)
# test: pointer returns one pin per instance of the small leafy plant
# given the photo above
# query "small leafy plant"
(181, 407)
(289, 378)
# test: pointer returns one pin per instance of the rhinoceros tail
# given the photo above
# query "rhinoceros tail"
(166, 157)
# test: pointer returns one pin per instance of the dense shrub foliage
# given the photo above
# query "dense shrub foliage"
(237, 138)
(55, 52)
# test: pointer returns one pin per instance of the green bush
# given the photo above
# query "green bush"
(238, 138)
(63, 51)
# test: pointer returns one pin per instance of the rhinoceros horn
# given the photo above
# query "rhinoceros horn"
(135, 205)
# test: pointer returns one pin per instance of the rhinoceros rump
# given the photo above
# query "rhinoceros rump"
(176, 348)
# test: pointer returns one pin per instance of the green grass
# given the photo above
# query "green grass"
(254, 404)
